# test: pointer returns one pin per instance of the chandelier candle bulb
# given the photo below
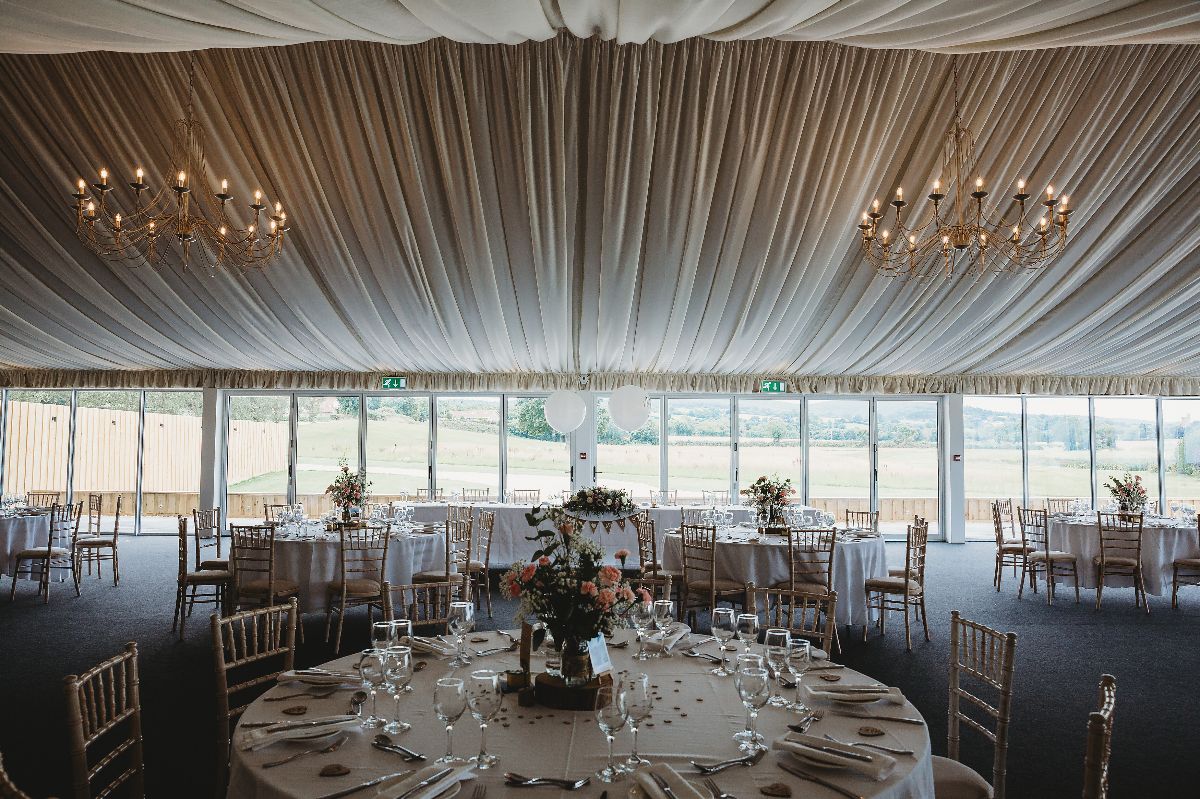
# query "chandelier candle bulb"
(180, 179)
(104, 176)
(139, 174)
(117, 222)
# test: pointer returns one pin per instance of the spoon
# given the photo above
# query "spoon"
(382, 741)
(807, 721)
(356, 702)
(314, 695)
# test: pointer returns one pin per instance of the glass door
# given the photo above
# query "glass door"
(326, 436)
(839, 456)
(629, 459)
(907, 460)
(258, 455)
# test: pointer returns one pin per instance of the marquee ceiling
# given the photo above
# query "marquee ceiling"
(576, 205)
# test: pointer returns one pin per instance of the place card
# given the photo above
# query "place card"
(598, 653)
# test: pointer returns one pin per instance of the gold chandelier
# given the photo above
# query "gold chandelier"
(184, 221)
(959, 233)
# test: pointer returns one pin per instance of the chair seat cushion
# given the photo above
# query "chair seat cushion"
(893, 585)
(1013, 546)
(207, 576)
(1190, 563)
(260, 586)
(723, 586)
(953, 780)
(434, 576)
(476, 566)
(360, 587)
(217, 565)
(1052, 555)
(40, 552)
(1116, 561)
(94, 541)
(896, 572)
(807, 588)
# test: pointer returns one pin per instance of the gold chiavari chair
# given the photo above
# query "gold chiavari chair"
(476, 495)
(1058, 505)
(702, 589)
(43, 499)
(986, 657)
(479, 567)
(208, 534)
(271, 512)
(95, 506)
(8, 788)
(254, 580)
(426, 605)
(460, 532)
(1185, 571)
(59, 554)
(1099, 741)
(1035, 540)
(103, 703)
(863, 520)
(219, 580)
(250, 650)
(1009, 551)
(669, 497)
(97, 548)
(361, 561)
(425, 495)
(525, 496)
(900, 592)
(1120, 553)
(1008, 513)
(652, 572)
(691, 516)
(810, 616)
(810, 561)
(715, 498)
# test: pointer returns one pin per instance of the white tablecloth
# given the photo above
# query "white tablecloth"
(18, 533)
(1161, 546)
(313, 563)
(695, 718)
(765, 563)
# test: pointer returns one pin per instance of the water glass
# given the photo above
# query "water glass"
(483, 698)
(381, 635)
(777, 644)
(610, 716)
(724, 628)
(637, 700)
(747, 628)
(664, 620)
(461, 621)
(753, 689)
(800, 660)
(370, 669)
(449, 703)
(397, 673)
(641, 615)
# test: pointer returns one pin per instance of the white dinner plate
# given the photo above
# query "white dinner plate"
(389, 791)
(818, 759)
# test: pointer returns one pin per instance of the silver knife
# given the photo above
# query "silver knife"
(902, 719)
(804, 775)
(361, 785)
(284, 724)
(425, 783)
(829, 750)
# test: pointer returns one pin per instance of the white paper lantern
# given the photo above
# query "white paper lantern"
(628, 407)
(565, 411)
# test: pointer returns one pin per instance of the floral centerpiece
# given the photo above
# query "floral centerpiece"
(349, 489)
(567, 587)
(599, 502)
(1129, 492)
(769, 496)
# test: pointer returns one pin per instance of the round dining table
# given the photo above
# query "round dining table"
(744, 555)
(695, 716)
(21, 532)
(1164, 541)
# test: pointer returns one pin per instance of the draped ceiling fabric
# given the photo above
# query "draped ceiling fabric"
(678, 215)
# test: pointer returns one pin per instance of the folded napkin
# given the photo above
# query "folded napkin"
(851, 692)
(292, 729)
(431, 646)
(679, 786)
(668, 638)
(317, 678)
(879, 767)
(398, 785)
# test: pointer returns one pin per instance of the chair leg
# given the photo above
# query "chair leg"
(337, 646)
(178, 603)
(924, 618)
(191, 601)
(12, 596)
(907, 632)
(1075, 577)
(328, 620)
(1141, 583)
(487, 577)
(116, 568)
(1021, 588)
(1099, 587)
(1175, 588)
(997, 572)
(1049, 583)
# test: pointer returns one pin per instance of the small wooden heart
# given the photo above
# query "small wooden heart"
(296, 710)
(334, 770)
(831, 677)
(420, 664)
(870, 732)
(775, 789)
(479, 640)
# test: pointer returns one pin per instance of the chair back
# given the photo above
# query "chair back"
(483, 537)
(691, 516)
(643, 526)
(1099, 741)
(1008, 516)
(64, 526)
(916, 543)
(669, 497)
(363, 553)
(863, 520)
(986, 657)
(998, 522)
(1120, 536)
(103, 702)
(208, 530)
(698, 549)
(460, 528)
(8, 788)
(426, 605)
(715, 498)
(1058, 505)
(95, 503)
(809, 616)
(253, 551)
(476, 495)
(1035, 534)
(525, 496)
(425, 495)
(810, 558)
(271, 512)
(43, 499)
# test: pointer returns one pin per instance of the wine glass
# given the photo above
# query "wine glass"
(724, 628)
(753, 689)
(777, 643)
(483, 698)
(381, 635)
(664, 620)
(449, 703)
(370, 669)
(747, 628)
(461, 621)
(799, 661)
(398, 673)
(610, 716)
(641, 614)
(637, 700)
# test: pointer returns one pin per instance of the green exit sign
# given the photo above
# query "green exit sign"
(773, 387)
(393, 383)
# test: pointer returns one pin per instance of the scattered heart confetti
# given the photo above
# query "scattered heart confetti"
(831, 677)
(296, 710)
(775, 789)
(334, 770)
(870, 732)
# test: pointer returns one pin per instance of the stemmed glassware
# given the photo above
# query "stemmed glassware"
(370, 669)
(777, 644)
(747, 629)
(753, 689)
(664, 619)
(637, 700)
(724, 628)
(461, 622)
(800, 659)
(449, 703)
(641, 614)
(483, 698)
(610, 716)
(381, 635)
(398, 673)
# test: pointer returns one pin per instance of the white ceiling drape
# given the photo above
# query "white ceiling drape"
(579, 206)
(62, 26)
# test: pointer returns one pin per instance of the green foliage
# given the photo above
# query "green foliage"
(527, 419)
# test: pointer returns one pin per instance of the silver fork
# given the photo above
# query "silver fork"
(480, 792)
(332, 747)
(715, 789)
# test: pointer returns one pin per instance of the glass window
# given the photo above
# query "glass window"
(326, 435)
(992, 460)
(171, 458)
(257, 455)
(629, 459)
(1059, 457)
(1181, 452)
(839, 456)
(699, 444)
(397, 446)
(38, 428)
(1126, 441)
(537, 454)
(907, 463)
(106, 453)
(769, 441)
(468, 445)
